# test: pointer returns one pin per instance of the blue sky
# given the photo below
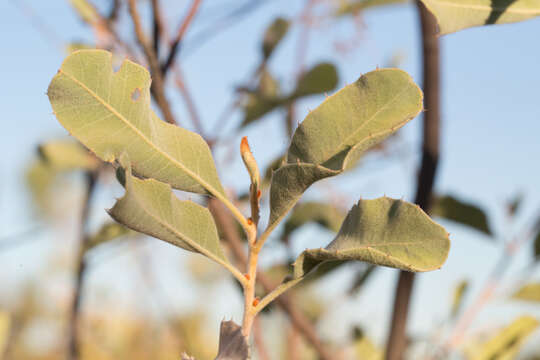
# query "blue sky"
(490, 143)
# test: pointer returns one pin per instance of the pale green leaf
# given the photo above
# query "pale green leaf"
(455, 15)
(385, 232)
(273, 35)
(459, 294)
(107, 232)
(109, 112)
(320, 79)
(150, 207)
(334, 135)
(528, 292)
(506, 344)
(324, 214)
(65, 155)
(461, 212)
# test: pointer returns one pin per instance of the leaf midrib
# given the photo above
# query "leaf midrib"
(179, 234)
(369, 120)
(194, 176)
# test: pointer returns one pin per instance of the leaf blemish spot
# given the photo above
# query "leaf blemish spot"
(136, 94)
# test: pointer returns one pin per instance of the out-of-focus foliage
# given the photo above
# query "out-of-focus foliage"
(348, 7)
(528, 292)
(267, 97)
(273, 35)
(107, 232)
(454, 209)
(324, 214)
(457, 298)
(506, 343)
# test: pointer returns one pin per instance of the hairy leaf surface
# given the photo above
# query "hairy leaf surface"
(336, 133)
(109, 112)
(384, 232)
(455, 15)
(150, 207)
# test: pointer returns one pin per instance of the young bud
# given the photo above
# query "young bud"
(249, 161)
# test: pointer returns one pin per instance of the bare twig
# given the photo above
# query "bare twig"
(180, 34)
(158, 82)
(74, 319)
(158, 25)
(430, 155)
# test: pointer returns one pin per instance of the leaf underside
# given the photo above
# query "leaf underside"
(336, 133)
(150, 207)
(109, 112)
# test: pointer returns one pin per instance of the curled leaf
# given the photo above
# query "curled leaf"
(337, 132)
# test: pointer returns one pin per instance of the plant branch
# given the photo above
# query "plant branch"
(225, 222)
(180, 34)
(158, 80)
(430, 155)
(158, 25)
(74, 319)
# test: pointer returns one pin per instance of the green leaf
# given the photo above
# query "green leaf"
(385, 232)
(150, 207)
(317, 80)
(455, 15)
(65, 155)
(273, 35)
(109, 112)
(267, 97)
(108, 231)
(528, 292)
(507, 342)
(459, 294)
(324, 214)
(356, 6)
(334, 135)
(86, 11)
(451, 208)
